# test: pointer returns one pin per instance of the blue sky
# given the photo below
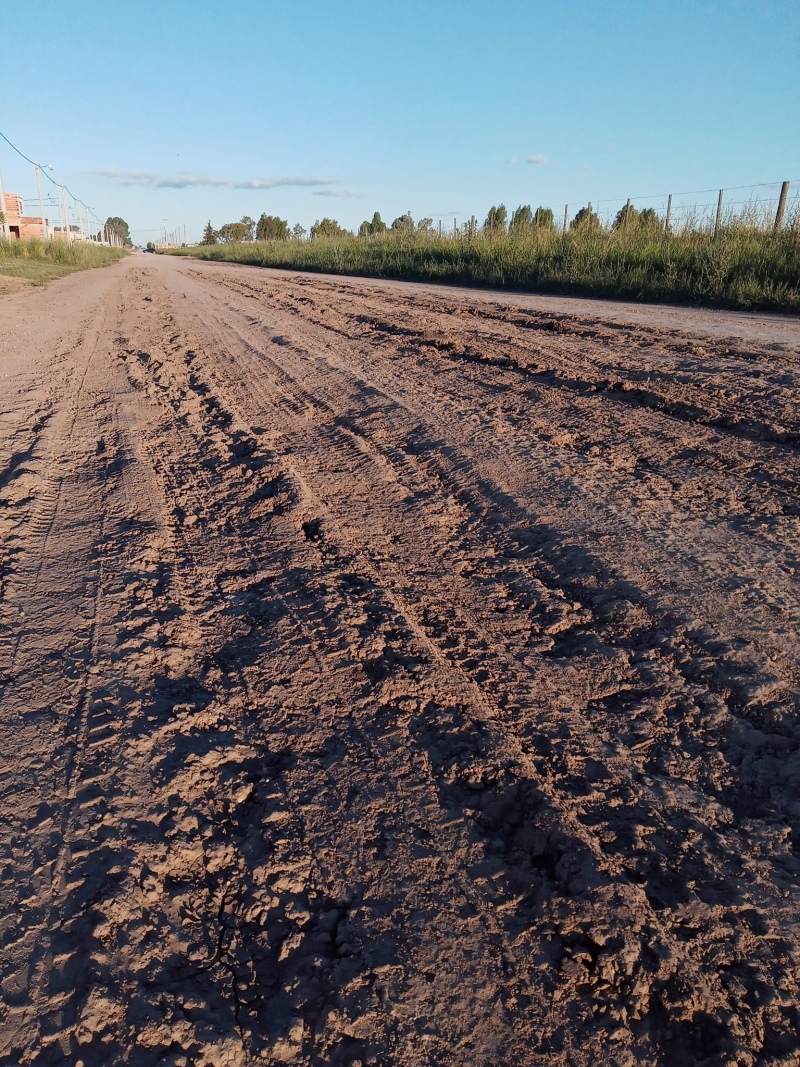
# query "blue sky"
(188, 109)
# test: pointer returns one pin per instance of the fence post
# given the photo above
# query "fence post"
(455, 230)
(472, 227)
(669, 215)
(781, 206)
(627, 213)
(440, 227)
(719, 213)
(566, 209)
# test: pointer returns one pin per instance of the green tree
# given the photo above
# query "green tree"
(328, 228)
(403, 224)
(210, 235)
(649, 220)
(425, 226)
(626, 217)
(250, 227)
(150, 245)
(369, 229)
(646, 221)
(233, 232)
(521, 220)
(587, 222)
(496, 219)
(271, 228)
(298, 232)
(543, 218)
(120, 228)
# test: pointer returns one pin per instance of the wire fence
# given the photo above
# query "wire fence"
(763, 206)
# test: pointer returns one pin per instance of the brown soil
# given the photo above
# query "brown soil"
(10, 284)
(395, 676)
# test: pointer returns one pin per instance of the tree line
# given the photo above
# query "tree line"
(523, 220)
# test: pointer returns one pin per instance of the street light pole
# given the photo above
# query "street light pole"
(66, 215)
(41, 202)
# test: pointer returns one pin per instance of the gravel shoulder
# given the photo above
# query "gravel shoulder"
(395, 675)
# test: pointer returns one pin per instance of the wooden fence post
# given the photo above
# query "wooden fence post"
(719, 213)
(566, 209)
(781, 206)
(627, 213)
(472, 226)
(669, 215)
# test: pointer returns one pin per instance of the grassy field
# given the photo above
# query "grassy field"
(743, 267)
(38, 262)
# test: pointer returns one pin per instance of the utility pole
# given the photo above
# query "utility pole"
(6, 232)
(41, 202)
(66, 215)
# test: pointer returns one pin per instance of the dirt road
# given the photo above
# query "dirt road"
(395, 676)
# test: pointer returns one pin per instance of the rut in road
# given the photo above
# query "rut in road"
(395, 678)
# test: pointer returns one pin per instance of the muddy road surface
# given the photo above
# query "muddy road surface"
(395, 676)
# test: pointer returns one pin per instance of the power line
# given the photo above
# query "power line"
(59, 185)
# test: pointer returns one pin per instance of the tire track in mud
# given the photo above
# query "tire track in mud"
(400, 747)
(305, 403)
(310, 628)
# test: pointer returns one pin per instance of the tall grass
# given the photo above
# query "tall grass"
(745, 266)
(77, 254)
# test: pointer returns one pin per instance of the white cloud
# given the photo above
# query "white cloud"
(344, 194)
(187, 181)
(537, 160)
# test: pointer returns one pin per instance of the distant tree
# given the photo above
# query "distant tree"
(425, 226)
(521, 220)
(370, 229)
(586, 221)
(271, 228)
(625, 217)
(233, 232)
(150, 245)
(250, 225)
(210, 235)
(646, 221)
(120, 228)
(543, 218)
(328, 228)
(377, 225)
(298, 232)
(649, 220)
(403, 224)
(496, 219)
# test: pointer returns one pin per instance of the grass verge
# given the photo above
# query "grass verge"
(741, 268)
(38, 262)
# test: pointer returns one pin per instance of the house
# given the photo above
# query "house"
(25, 227)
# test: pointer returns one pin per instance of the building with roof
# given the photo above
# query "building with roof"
(22, 227)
